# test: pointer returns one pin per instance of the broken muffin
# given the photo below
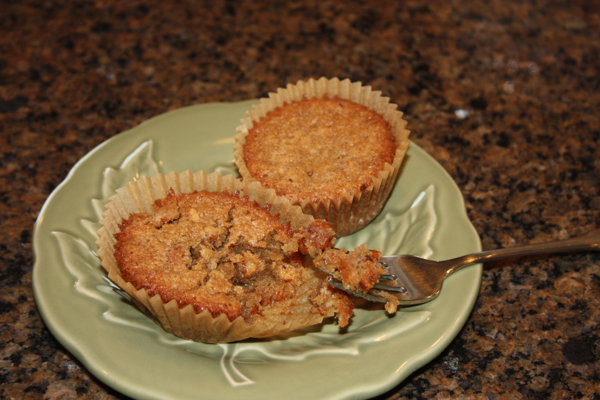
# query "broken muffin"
(215, 259)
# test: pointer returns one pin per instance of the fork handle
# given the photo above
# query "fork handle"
(589, 241)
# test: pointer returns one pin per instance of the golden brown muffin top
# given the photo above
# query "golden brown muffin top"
(319, 147)
(222, 253)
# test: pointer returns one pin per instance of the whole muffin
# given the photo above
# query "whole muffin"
(216, 259)
(334, 148)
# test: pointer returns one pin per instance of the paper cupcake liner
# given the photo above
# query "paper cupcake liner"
(139, 196)
(356, 209)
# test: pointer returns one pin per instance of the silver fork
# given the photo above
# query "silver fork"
(414, 280)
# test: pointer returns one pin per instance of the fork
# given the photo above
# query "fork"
(414, 280)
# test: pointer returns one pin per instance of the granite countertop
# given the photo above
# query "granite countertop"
(504, 95)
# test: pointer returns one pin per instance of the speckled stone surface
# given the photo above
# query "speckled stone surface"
(504, 94)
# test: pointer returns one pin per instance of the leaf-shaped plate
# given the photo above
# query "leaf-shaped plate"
(425, 215)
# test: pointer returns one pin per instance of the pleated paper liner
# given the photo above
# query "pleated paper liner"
(139, 196)
(359, 207)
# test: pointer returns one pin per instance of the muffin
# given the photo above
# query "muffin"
(215, 259)
(333, 148)
(358, 271)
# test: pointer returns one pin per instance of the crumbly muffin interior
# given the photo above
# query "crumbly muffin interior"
(226, 254)
(319, 147)
(357, 270)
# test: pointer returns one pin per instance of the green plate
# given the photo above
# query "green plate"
(425, 215)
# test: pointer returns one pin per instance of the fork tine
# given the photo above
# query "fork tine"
(391, 265)
(357, 293)
(392, 289)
